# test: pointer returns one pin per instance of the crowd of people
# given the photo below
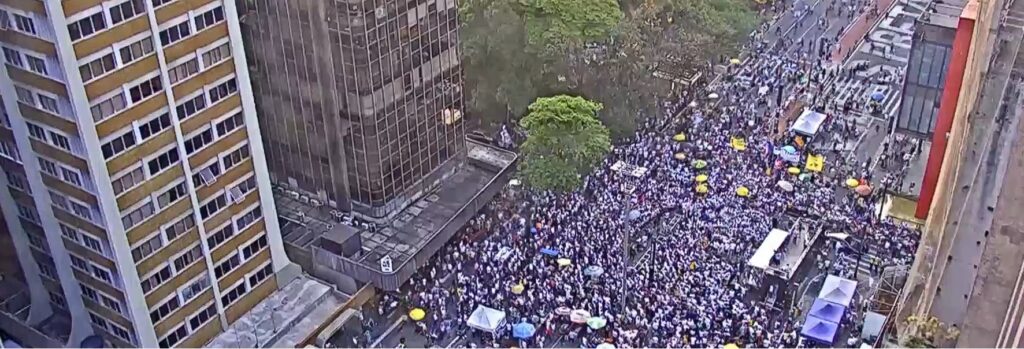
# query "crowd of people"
(693, 289)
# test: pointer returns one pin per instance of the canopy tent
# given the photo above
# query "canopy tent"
(486, 319)
(808, 123)
(826, 310)
(838, 290)
(763, 256)
(873, 323)
(819, 330)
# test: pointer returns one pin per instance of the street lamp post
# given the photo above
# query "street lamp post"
(628, 215)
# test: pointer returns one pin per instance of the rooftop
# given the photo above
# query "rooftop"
(946, 13)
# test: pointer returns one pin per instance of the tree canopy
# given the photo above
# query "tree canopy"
(564, 141)
(555, 26)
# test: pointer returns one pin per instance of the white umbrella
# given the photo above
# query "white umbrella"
(838, 236)
(579, 316)
(605, 346)
(713, 96)
(693, 104)
(787, 186)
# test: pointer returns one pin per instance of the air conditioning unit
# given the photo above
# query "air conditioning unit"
(301, 216)
(336, 213)
(304, 199)
(293, 194)
(315, 203)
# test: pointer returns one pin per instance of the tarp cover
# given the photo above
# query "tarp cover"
(819, 330)
(764, 254)
(826, 310)
(486, 319)
(873, 323)
(838, 290)
(808, 123)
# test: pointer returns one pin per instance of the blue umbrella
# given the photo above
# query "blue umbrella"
(549, 252)
(789, 149)
(523, 330)
(877, 96)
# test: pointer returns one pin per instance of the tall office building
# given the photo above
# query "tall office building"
(134, 182)
(360, 101)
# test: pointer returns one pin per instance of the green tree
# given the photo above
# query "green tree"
(557, 26)
(565, 140)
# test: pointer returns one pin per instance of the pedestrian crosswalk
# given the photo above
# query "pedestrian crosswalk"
(860, 92)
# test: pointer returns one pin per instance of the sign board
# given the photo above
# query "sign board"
(386, 265)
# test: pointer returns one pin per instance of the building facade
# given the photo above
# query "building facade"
(134, 183)
(360, 101)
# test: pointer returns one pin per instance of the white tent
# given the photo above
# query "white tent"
(486, 319)
(769, 246)
(808, 123)
(838, 290)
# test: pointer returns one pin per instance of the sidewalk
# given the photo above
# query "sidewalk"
(857, 31)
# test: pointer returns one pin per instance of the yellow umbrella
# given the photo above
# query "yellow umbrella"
(518, 288)
(731, 346)
(701, 178)
(793, 170)
(702, 189)
(679, 137)
(680, 156)
(735, 61)
(743, 191)
(852, 183)
(417, 314)
(563, 262)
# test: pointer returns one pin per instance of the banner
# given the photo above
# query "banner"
(815, 163)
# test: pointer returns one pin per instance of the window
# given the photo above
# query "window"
(25, 95)
(89, 292)
(260, 275)
(92, 243)
(154, 126)
(202, 317)
(230, 124)
(156, 279)
(183, 71)
(79, 264)
(158, 3)
(68, 232)
(137, 215)
(189, 257)
(235, 157)
(80, 210)
(126, 10)
(207, 175)
(213, 206)
(17, 181)
(234, 294)
(36, 131)
(128, 180)
(198, 141)
(209, 18)
(37, 241)
(36, 64)
(102, 274)
(8, 150)
(111, 303)
(71, 176)
(165, 309)
(254, 247)
(180, 227)
(191, 106)
(136, 50)
(97, 67)
(49, 167)
(174, 33)
(108, 107)
(220, 236)
(58, 299)
(24, 24)
(13, 57)
(175, 336)
(147, 248)
(216, 55)
(48, 103)
(165, 160)
(119, 144)
(59, 200)
(145, 89)
(195, 288)
(87, 26)
(121, 333)
(99, 321)
(170, 196)
(226, 266)
(238, 192)
(47, 270)
(28, 213)
(223, 90)
(60, 140)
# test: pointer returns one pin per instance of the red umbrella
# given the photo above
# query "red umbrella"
(863, 190)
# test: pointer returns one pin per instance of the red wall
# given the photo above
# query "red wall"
(947, 110)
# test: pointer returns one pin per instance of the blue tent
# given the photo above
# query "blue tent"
(819, 330)
(549, 252)
(523, 330)
(827, 311)
(838, 290)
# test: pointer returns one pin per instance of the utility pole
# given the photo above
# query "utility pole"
(628, 216)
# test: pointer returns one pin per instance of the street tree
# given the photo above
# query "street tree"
(564, 141)
(559, 26)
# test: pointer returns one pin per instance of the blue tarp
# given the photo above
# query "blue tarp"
(827, 311)
(549, 252)
(819, 330)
